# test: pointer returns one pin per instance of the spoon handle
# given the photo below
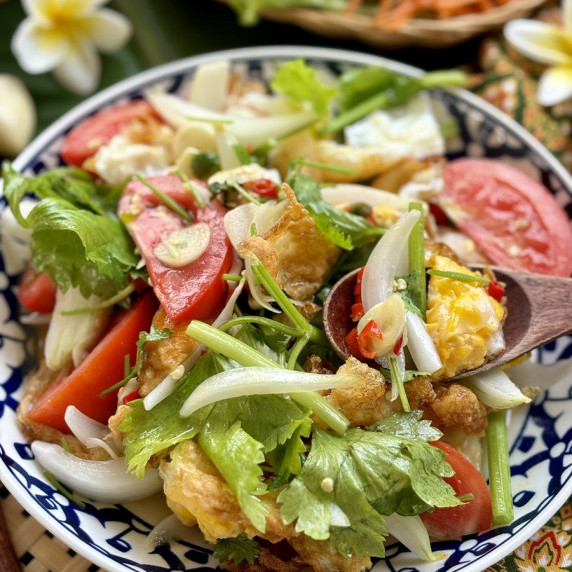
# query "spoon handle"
(541, 310)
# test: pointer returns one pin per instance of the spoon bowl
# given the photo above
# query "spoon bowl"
(538, 310)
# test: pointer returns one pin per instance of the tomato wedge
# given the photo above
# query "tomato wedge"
(475, 515)
(87, 137)
(37, 291)
(513, 219)
(196, 290)
(102, 368)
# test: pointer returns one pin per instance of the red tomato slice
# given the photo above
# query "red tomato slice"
(194, 291)
(513, 219)
(101, 369)
(37, 291)
(87, 137)
(473, 516)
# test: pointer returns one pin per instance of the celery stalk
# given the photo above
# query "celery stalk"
(499, 468)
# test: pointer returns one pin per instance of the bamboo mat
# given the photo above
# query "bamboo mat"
(38, 549)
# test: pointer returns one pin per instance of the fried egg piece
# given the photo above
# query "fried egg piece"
(464, 321)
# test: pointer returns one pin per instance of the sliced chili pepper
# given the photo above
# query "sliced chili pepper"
(357, 311)
(397, 346)
(351, 341)
(495, 290)
(131, 396)
(365, 337)
(264, 187)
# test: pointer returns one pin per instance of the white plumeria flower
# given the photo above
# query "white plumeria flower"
(548, 44)
(65, 36)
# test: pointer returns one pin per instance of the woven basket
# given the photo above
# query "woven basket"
(417, 32)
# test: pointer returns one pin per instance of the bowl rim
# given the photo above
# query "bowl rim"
(109, 95)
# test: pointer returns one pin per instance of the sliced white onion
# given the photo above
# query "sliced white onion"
(70, 337)
(411, 532)
(90, 432)
(388, 258)
(225, 148)
(169, 529)
(247, 130)
(495, 389)
(169, 383)
(421, 346)
(352, 193)
(244, 381)
(106, 481)
(210, 85)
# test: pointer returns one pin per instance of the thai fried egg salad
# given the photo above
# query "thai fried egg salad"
(180, 261)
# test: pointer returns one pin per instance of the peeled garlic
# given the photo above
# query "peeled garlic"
(17, 115)
(184, 245)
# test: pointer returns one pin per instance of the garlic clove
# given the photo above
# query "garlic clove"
(184, 245)
(17, 115)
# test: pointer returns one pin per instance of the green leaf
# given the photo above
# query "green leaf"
(298, 80)
(236, 549)
(372, 474)
(346, 230)
(74, 239)
(148, 433)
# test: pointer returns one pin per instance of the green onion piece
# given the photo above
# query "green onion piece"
(62, 490)
(458, 276)
(396, 378)
(247, 356)
(232, 277)
(301, 162)
(417, 282)
(191, 186)
(168, 201)
(499, 468)
(119, 297)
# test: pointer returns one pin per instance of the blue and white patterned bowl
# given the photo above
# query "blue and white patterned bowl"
(114, 536)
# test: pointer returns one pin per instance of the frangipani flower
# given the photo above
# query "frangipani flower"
(65, 36)
(548, 44)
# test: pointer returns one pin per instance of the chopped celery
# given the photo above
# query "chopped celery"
(499, 468)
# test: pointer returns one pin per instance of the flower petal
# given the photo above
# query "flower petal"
(539, 41)
(108, 29)
(555, 85)
(81, 70)
(38, 49)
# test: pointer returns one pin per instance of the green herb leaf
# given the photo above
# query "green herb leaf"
(298, 80)
(236, 549)
(344, 229)
(373, 474)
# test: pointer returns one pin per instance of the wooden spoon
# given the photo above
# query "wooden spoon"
(538, 310)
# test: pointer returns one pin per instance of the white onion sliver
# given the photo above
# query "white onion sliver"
(168, 385)
(421, 346)
(389, 256)
(90, 432)
(244, 381)
(495, 389)
(169, 529)
(411, 532)
(351, 193)
(106, 481)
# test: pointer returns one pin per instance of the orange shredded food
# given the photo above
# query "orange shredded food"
(393, 14)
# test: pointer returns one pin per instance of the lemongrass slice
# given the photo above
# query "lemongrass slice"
(242, 381)
(495, 389)
(90, 432)
(106, 481)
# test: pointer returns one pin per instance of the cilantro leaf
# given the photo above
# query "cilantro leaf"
(344, 229)
(236, 549)
(298, 80)
(372, 474)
